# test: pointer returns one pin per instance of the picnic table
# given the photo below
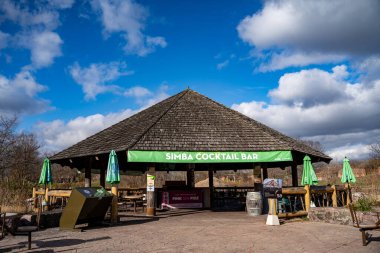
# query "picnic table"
(133, 198)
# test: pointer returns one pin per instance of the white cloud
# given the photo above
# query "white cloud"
(20, 95)
(353, 145)
(312, 87)
(96, 78)
(40, 18)
(299, 32)
(158, 96)
(337, 107)
(44, 48)
(61, 4)
(298, 59)
(36, 28)
(57, 134)
(128, 18)
(369, 68)
(222, 65)
(137, 92)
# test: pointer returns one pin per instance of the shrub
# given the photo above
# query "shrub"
(364, 204)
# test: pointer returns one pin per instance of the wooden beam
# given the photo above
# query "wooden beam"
(264, 172)
(87, 173)
(150, 192)
(211, 186)
(291, 215)
(293, 191)
(103, 168)
(294, 174)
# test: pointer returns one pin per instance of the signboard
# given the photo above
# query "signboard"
(208, 157)
(182, 199)
(272, 187)
(150, 182)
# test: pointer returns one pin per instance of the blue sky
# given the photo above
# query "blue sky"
(309, 69)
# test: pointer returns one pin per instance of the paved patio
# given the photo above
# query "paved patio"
(199, 231)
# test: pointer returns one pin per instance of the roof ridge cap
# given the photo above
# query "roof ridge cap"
(159, 118)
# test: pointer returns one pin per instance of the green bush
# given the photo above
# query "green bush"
(365, 204)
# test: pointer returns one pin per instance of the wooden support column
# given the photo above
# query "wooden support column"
(334, 197)
(34, 197)
(102, 177)
(87, 174)
(190, 176)
(307, 197)
(264, 172)
(294, 174)
(211, 186)
(150, 191)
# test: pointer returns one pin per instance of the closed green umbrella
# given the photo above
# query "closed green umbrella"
(348, 177)
(113, 173)
(308, 175)
(46, 176)
(347, 174)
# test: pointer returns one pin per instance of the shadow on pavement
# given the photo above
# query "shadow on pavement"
(372, 239)
(49, 244)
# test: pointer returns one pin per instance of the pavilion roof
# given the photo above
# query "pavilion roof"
(187, 121)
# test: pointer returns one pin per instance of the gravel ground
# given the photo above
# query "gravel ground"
(198, 231)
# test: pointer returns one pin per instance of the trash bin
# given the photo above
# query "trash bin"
(86, 206)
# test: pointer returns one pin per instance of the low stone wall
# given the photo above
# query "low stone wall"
(339, 215)
(336, 215)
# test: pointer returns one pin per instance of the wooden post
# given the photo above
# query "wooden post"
(211, 186)
(87, 173)
(114, 210)
(150, 196)
(334, 197)
(34, 197)
(307, 197)
(190, 176)
(264, 172)
(102, 178)
(294, 174)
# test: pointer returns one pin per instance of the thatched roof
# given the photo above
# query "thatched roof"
(187, 121)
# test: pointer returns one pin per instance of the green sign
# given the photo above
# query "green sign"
(208, 157)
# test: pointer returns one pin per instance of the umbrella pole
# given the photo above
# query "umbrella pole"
(307, 197)
(114, 210)
(46, 198)
(349, 195)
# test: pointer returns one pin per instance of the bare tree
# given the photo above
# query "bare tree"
(374, 162)
(313, 144)
(7, 141)
(375, 149)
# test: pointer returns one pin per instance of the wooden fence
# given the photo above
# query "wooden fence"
(295, 201)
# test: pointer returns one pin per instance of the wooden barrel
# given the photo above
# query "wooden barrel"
(254, 203)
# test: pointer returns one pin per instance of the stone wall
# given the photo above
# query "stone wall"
(340, 215)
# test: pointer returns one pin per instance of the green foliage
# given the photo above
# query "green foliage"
(365, 204)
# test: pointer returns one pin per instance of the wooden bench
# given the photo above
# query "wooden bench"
(363, 227)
